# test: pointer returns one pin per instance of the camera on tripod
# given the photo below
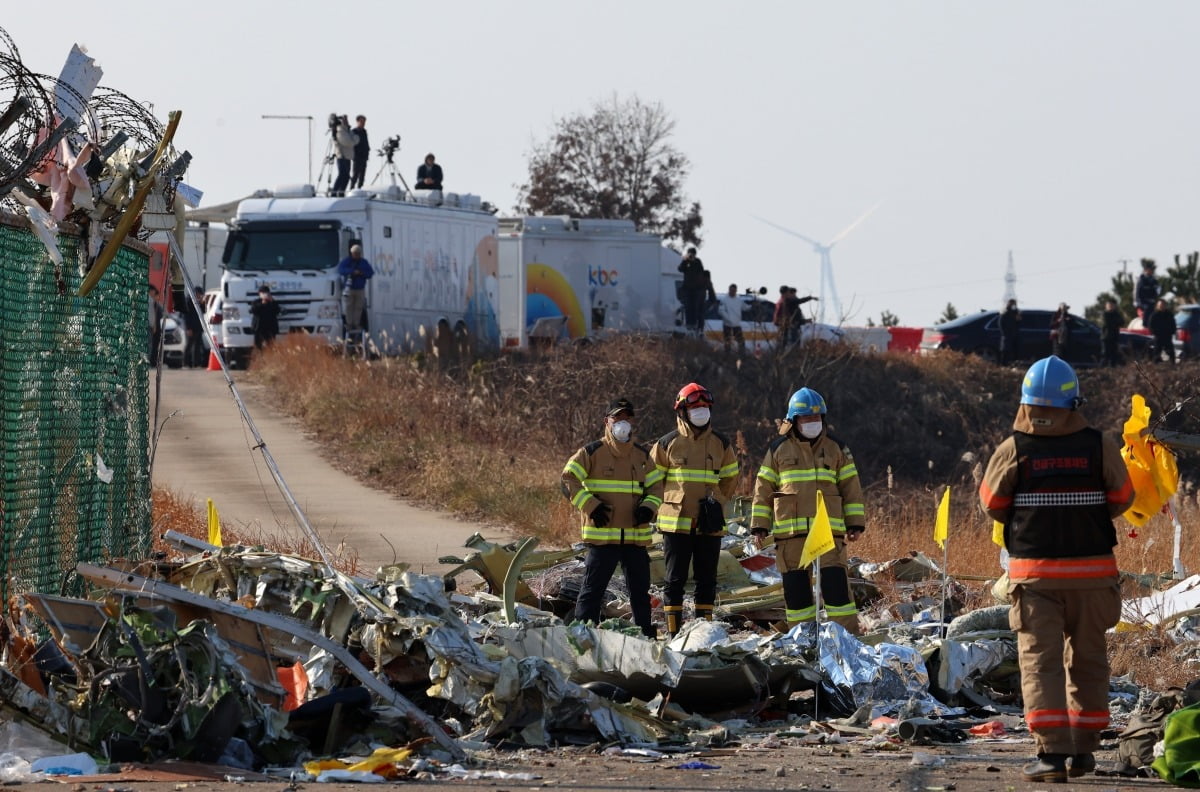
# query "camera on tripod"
(335, 120)
(389, 147)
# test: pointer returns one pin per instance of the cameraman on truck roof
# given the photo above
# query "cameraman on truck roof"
(343, 143)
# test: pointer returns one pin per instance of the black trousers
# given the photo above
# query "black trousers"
(194, 354)
(697, 552)
(693, 308)
(343, 176)
(598, 569)
(798, 593)
(359, 174)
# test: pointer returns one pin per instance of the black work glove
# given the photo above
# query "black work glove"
(643, 515)
(601, 515)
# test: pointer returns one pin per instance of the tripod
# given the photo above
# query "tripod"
(327, 169)
(389, 167)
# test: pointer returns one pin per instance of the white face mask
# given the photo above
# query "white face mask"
(811, 430)
(698, 416)
(621, 431)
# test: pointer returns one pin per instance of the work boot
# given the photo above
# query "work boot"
(1050, 768)
(674, 614)
(1081, 765)
(704, 612)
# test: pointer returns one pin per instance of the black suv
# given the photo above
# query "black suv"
(979, 334)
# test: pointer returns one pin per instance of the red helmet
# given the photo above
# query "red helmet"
(693, 395)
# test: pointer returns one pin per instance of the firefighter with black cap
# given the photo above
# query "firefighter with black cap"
(618, 490)
(699, 470)
(1056, 484)
(805, 458)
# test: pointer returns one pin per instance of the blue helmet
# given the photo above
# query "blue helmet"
(805, 401)
(1051, 382)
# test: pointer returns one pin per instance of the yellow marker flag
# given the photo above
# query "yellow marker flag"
(997, 533)
(942, 525)
(820, 535)
(1151, 466)
(214, 525)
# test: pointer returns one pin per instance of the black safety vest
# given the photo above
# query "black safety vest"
(1060, 503)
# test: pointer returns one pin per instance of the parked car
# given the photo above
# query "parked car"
(1187, 335)
(979, 334)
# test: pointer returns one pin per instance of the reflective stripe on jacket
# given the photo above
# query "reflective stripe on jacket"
(785, 492)
(1055, 484)
(619, 474)
(693, 464)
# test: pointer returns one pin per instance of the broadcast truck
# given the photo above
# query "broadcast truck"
(563, 278)
(434, 257)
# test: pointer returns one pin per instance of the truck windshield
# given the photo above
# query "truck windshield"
(282, 249)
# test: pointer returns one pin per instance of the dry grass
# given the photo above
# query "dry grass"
(487, 439)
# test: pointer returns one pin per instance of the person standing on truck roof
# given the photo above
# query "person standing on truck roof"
(355, 271)
(700, 471)
(730, 308)
(362, 152)
(618, 490)
(429, 175)
(264, 313)
(343, 145)
(693, 291)
(1056, 484)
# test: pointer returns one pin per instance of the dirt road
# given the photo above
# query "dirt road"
(206, 451)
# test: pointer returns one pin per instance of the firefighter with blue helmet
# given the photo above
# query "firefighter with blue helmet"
(805, 458)
(1056, 484)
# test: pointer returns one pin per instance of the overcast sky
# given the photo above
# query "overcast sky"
(1062, 131)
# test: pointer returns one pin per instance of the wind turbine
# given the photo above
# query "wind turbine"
(828, 294)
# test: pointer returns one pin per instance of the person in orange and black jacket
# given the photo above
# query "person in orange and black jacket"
(1056, 484)
(700, 469)
(803, 460)
(617, 488)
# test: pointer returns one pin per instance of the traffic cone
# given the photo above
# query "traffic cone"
(213, 363)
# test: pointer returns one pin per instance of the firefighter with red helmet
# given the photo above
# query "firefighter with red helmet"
(617, 488)
(699, 470)
(1056, 484)
(805, 459)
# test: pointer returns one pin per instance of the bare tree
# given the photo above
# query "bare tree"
(615, 162)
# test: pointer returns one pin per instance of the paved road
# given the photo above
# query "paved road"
(205, 451)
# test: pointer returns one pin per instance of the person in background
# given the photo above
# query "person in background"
(154, 322)
(1056, 484)
(729, 305)
(355, 272)
(193, 321)
(1162, 327)
(618, 490)
(1147, 292)
(1010, 333)
(362, 152)
(264, 313)
(784, 308)
(797, 318)
(1060, 330)
(1113, 321)
(805, 458)
(692, 291)
(700, 472)
(343, 152)
(429, 175)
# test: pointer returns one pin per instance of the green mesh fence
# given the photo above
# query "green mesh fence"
(73, 379)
